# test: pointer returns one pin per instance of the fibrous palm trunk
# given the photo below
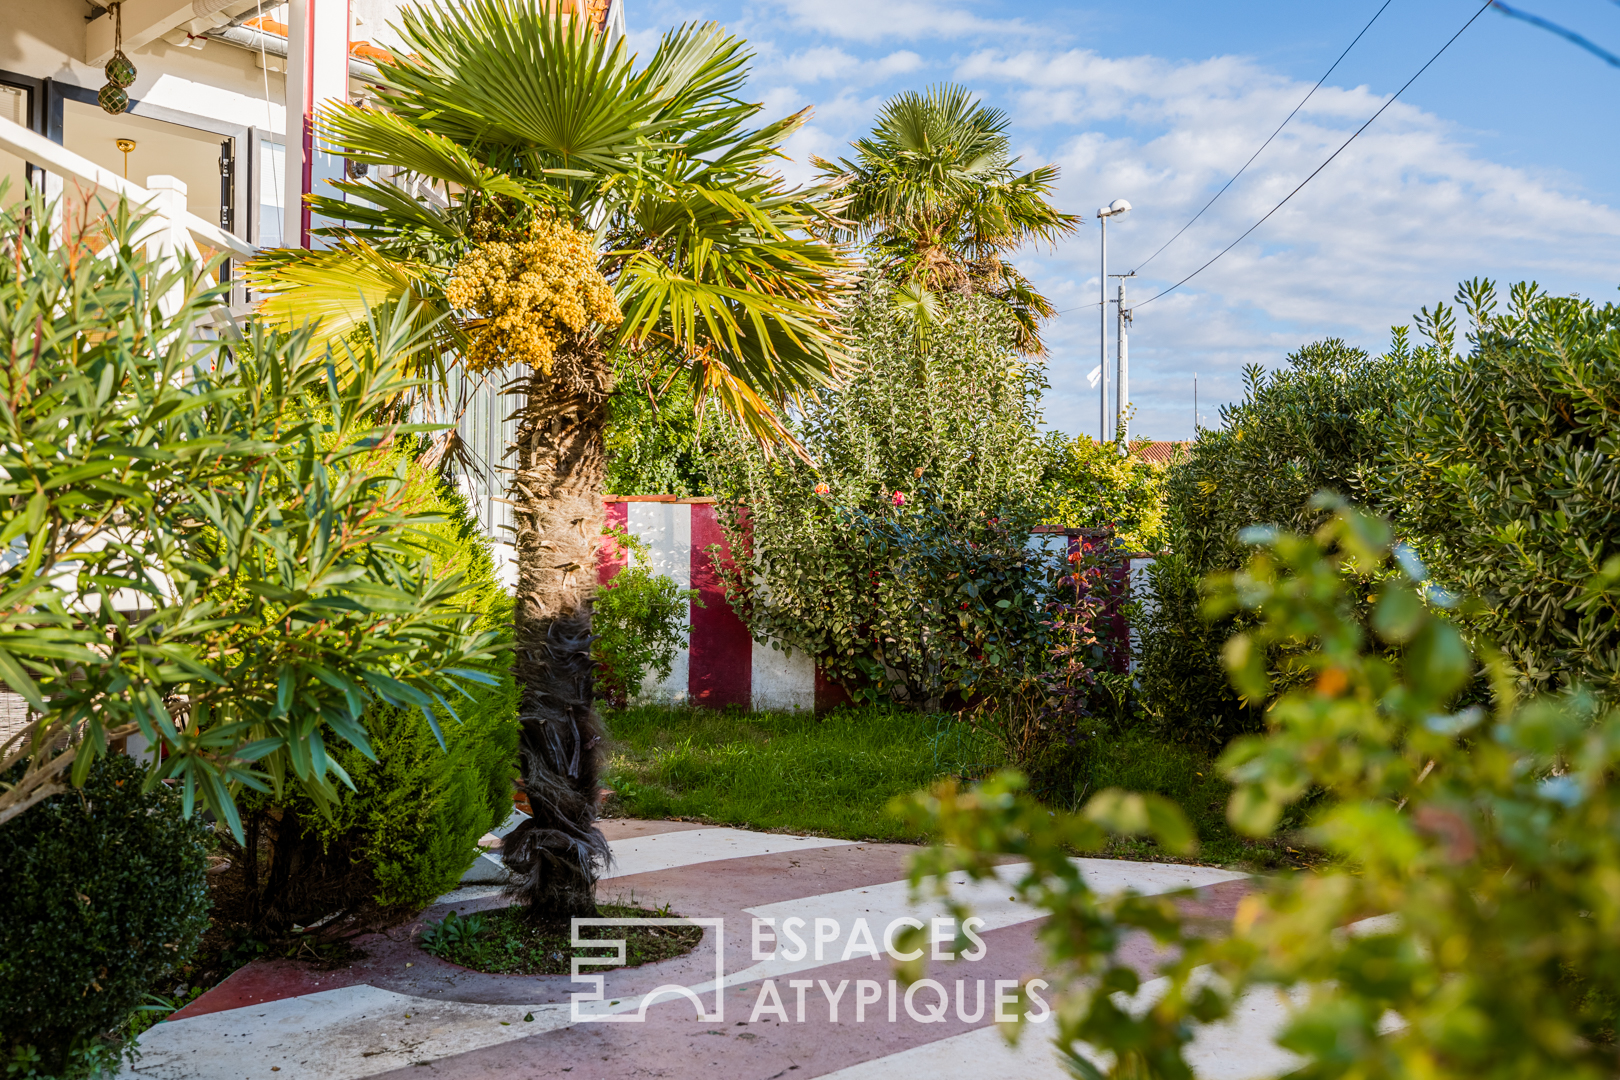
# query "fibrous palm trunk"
(556, 490)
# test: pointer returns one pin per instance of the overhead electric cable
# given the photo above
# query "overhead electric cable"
(1568, 35)
(1273, 135)
(1393, 98)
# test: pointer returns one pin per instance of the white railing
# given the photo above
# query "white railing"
(164, 195)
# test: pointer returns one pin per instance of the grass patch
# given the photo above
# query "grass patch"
(834, 775)
(831, 775)
(506, 942)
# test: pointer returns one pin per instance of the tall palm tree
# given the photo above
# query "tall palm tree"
(516, 135)
(939, 202)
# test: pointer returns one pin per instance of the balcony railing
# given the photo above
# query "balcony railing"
(173, 228)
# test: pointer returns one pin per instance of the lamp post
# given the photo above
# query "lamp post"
(1113, 209)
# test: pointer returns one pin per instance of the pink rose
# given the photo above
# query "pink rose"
(898, 499)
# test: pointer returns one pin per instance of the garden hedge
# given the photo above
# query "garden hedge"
(1502, 472)
(103, 891)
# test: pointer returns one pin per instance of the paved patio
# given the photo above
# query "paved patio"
(832, 1012)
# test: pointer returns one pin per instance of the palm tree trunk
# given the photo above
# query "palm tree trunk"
(556, 491)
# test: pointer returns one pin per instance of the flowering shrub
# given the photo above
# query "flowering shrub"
(1044, 723)
(853, 559)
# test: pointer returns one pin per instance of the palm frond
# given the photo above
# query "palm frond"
(337, 290)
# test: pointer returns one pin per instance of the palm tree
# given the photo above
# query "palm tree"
(938, 201)
(519, 138)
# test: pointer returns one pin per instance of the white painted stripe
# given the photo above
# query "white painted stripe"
(782, 681)
(974, 1055)
(666, 529)
(992, 901)
(342, 1034)
(666, 851)
(1241, 1048)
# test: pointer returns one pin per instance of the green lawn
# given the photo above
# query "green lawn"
(834, 775)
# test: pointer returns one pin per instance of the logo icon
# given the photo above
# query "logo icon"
(613, 1013)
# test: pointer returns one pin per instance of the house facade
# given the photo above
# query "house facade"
(218, 85)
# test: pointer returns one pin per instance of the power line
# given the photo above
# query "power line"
(1273, 135)
(1568, 35)
(1326, 163)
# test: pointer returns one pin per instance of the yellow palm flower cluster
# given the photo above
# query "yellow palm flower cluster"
(531, 293)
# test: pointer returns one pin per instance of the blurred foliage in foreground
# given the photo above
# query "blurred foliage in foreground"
(1480, 850)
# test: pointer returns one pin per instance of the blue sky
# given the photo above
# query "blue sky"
(1501, 160)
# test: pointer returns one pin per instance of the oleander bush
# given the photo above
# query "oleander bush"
(1501, 469)
(211, 544)
(406, 828)
(103, 891)
(1313, 425)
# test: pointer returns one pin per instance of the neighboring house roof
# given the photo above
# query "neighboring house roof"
(1154, 452)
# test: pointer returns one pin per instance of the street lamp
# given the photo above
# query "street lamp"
(1113, 209)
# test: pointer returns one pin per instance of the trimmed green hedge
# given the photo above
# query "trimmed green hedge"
(102, 891)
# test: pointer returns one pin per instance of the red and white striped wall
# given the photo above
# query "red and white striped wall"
(722, 663)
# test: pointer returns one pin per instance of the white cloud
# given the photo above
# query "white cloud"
(1400, 216)
(863, 20)
(825, 64)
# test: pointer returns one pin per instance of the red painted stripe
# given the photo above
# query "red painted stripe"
(829, 695)
(721, 668)
(610, 557)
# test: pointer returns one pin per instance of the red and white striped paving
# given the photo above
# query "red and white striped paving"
(827, 1008)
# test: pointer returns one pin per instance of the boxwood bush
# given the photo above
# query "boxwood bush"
(103, 891)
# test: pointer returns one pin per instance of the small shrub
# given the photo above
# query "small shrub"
(1049, 722)
(451, 932)
(103, 891)
(640, 620)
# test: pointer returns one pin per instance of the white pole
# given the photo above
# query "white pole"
(1122, 391)
(1102, 325)
(317, 72)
